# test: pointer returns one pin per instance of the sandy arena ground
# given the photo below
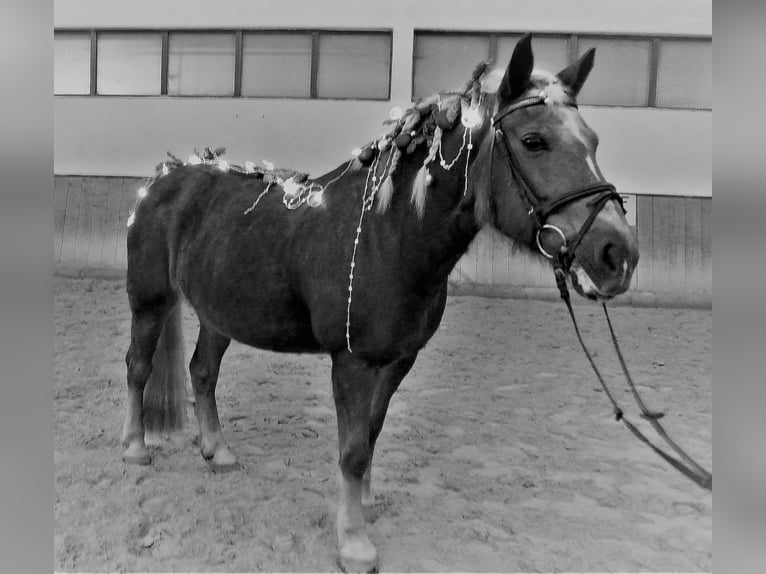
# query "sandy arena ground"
(499, 452)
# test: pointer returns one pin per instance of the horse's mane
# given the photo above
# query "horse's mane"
(420, 122)
(419, 126)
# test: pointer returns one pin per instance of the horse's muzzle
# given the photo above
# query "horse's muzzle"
(604, 263)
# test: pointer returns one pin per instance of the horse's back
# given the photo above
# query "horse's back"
(275, 278)
(194, 234)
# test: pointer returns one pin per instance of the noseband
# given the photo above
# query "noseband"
(540, 209)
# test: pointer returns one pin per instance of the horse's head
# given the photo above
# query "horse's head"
(545, 189)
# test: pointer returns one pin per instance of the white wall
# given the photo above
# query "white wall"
(627, 16)
(642, 151)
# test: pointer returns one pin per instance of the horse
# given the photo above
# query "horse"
(355, 263)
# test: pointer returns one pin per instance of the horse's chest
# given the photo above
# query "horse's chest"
(404, 327)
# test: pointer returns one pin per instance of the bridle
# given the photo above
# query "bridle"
(540, 209)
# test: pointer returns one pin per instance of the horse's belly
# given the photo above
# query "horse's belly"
(256, 309)
(265, 326)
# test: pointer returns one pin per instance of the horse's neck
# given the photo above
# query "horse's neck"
(431, 242)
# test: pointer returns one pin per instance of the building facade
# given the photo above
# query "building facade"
(300, 83)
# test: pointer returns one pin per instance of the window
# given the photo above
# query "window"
(129, 63)
(276, 65)
(443, 62)
(71, 63)
(685, 74)
(620, 75)
(201, 64)
(354, 66)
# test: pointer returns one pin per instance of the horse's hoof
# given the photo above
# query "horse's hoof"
(223, 468)
(136, 454)
(223, 461)
(358, 557)
(352, 566)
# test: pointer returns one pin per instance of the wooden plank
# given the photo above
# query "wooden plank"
(468, 264)
(130, 186)
(126, 204)
(98, 220)
(454, 276)
(484, 248)
(72, 212)
(645, 230)
(84, 222)
(536, 274)
(531, 273)
(661, 247)
(693, 245)
(706, 240)
(111, 225)
(60, 184)
(547, 278)
(516, 265)
(501, 254)
(676, 244)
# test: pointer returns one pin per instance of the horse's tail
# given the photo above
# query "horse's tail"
(165, 391)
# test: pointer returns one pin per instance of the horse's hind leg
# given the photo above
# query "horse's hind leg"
(353, 381)
(387, 381)
(145, 329)
(204, 367)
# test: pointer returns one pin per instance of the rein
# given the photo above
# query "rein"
(540, 210)
(689, 467)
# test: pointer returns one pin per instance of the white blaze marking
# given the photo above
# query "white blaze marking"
(591, 164)
(585, 282)
(574, 129)
(610, 214)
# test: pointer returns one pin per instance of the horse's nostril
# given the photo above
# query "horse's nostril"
(611, 256)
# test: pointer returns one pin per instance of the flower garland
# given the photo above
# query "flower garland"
(294, 184)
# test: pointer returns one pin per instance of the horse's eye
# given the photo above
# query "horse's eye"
(534, 142)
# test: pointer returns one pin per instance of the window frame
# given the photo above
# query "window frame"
(239, 34)
(573, 40)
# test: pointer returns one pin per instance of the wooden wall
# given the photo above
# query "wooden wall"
(674, 235)
(675, 239)
(90, 220)
(675, 242)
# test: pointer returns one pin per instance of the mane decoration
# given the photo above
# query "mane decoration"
(295, 184)
(423, 123)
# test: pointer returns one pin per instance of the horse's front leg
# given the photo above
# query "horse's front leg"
(388, 379)
(353, 382)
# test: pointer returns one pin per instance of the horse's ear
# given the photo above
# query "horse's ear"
(575, 75)
(519, 69)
